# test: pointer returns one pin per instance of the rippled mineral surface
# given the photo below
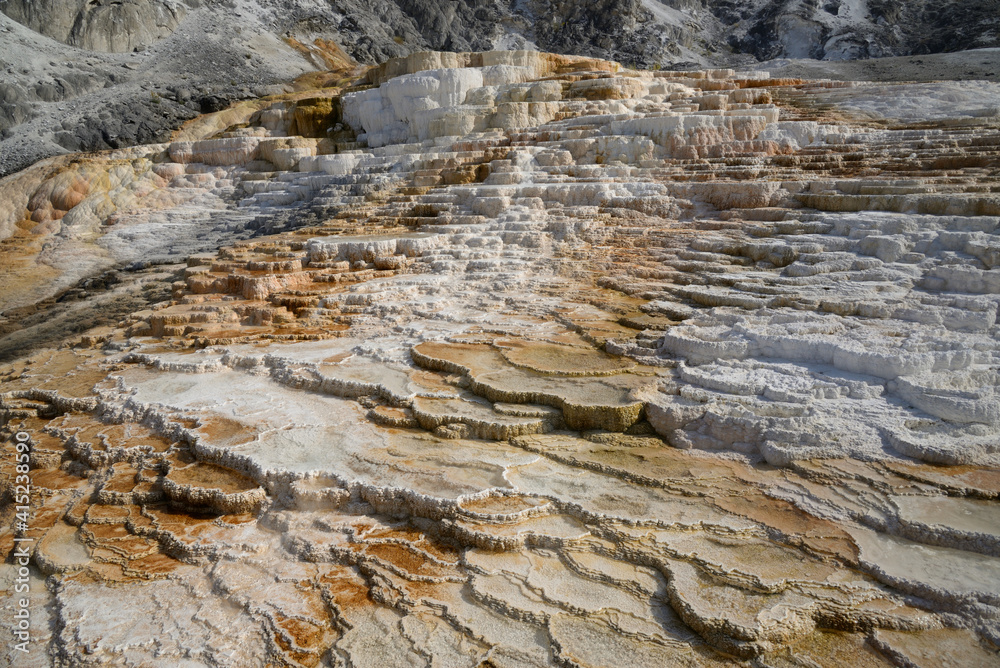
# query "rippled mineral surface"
(511, 359)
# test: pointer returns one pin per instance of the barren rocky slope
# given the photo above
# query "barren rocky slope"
(514, 359)
(93, 75)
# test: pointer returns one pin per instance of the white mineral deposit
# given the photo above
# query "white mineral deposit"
(513, 359)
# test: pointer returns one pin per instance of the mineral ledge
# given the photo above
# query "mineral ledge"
(514, 359)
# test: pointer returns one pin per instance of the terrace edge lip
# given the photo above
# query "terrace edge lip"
(581, 364)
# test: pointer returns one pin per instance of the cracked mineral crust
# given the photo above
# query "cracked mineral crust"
(513, 359)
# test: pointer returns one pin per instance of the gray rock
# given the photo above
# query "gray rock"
(99, 25)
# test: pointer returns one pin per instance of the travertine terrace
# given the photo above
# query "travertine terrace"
(511, 359)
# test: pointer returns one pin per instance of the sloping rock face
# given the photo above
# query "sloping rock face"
(528, 360)
(639, 31)
(58, 99)
(845, 29)
(97, 25)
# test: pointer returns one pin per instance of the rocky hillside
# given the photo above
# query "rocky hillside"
(645, 32)
(93, 74)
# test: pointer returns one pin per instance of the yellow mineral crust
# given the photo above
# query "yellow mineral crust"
(513, 359)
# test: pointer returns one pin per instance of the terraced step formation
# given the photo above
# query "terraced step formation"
(515, 359)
